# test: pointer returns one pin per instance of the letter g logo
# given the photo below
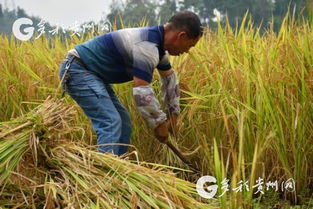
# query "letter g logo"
(29, 31)
(200, 187)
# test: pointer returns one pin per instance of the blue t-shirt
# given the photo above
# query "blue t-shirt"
(118, 56)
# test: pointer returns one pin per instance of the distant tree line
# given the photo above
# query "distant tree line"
(124, 13)
(262, 11)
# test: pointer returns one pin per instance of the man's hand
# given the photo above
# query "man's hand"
(161, 132)
(172, 124)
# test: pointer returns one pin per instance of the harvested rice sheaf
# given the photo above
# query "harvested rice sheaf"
(38, 169)
(23, 134)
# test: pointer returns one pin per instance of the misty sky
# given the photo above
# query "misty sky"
(63, 12)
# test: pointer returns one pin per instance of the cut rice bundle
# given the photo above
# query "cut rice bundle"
(74, 175)
(23, 134)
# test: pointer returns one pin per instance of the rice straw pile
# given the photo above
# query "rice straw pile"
(40, 169)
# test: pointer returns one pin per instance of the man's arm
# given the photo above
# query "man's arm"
(166, 73)
(170, 91)
(149, 108)
(170, 96)
(139, 82)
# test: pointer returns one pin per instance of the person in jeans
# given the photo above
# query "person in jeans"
(89, 70)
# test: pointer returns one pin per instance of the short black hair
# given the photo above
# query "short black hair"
(188, 22)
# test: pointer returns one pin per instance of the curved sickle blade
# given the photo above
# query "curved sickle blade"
(176, 151)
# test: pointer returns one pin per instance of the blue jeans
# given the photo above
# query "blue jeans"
(109, 118)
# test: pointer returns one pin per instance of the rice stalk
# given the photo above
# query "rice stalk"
(76, 175)
(22, 134)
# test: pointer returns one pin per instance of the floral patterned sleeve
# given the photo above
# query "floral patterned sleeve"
(148, 106)
(170, 93)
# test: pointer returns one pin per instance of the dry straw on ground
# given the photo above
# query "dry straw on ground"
(40, 169)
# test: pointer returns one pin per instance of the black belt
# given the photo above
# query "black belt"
(75, 59)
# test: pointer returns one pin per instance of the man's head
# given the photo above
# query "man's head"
(182, 32)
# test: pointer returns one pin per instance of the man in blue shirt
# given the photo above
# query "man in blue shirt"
(125, 55)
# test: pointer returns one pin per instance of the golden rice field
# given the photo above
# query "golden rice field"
(247, 115)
